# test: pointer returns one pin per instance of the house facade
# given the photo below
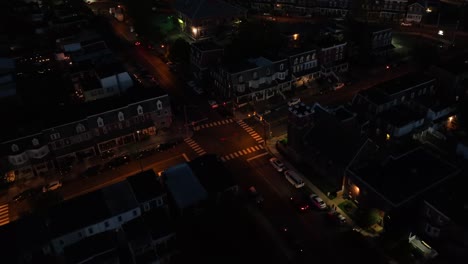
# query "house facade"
(79, 139)
(253, 80)
(332, 58)
(415, 12)
(204, 55)
(304, 67)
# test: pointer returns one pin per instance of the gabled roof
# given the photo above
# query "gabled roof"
(184, 187)
(199, 9)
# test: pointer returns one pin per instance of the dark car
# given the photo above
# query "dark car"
(107, 154)
(336, 217)
(118, 161)
(91, 171)
(299, 203)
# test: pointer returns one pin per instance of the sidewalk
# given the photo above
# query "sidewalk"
(271, 147)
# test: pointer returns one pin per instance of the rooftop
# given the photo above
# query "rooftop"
(239, 66)
(456, 65)
(261, 61)
(184, 187)
(401, 178)
(206, 45)
(90, 208)
(401, 115)
(145, 186)
(212, 173)
(301, 110)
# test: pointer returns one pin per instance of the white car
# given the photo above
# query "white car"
(294, 101)
(277, 164)
(52, 186)
(317, 201)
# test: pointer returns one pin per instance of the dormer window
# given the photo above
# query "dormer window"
(268, 71)
(14, 148)
(308, 58)
(281, 66)
(121, 116)
(80, 128)
(255, 75)
(295, 62)
(100, 122)
(140, 110)
(35, 142)
(302, 59)
(159, 105)
(241, 79)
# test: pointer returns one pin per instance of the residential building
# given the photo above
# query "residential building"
(325, 140)
(379, 177)
(148, 190)
(252, 80)
(393, 92)
(415, 12)
(78, 133)
(185, 190)
(215, 178)
(203, 56)
(334, 8)
(100, 248)
(85, 216)
(374, 41)
(7, 78)
(303, 66)
(332, 57)
(452, 75)
(400, 120)
(202, 19)
(260, 5)
(151, 238)
(443, 221)
(393, 10)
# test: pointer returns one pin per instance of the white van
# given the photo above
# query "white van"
(294, 178)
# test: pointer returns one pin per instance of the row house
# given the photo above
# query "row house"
(385, 95)
(88, 136)
(415, 12)
(332, 58)
(203, 55)
(94, 213)
(393, 10)
(334, 8)
(304, 67)
(200, 19)
(252, 80)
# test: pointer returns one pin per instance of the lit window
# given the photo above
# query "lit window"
(140, 110)
(159, 105)
(80, 128)
(100, 122)
(121, 116)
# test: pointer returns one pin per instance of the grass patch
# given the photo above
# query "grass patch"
(349, 208)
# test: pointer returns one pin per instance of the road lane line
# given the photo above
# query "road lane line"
(258, 156)
(235, 154)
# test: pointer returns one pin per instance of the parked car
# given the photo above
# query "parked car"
(255, 196)
(277, 164)
(107, 154)
(294, 101)
(299, 203)
(336, 217)
(91, 171)
(213, 104)
(52, 186)
(317, 201)
(338, 86)
(145, 153)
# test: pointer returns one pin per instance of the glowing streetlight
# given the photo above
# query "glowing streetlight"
(296, 36)
(428, 10)
(440, 33)
(194, 30)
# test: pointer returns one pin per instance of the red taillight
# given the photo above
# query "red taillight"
(387, 67)
(137, 43)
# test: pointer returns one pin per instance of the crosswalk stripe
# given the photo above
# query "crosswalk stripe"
(260, 146)
(203, 153)
(228, 158)
(232, 156)
(260, 141)
(248, 150)
(252, 149)
(223, 159)
(5, 209)
(237, 155)
(245, 152)
(240, 153)
(249, 129)
(197, 148)
(257, 148)
(4, 206)
(257, 137)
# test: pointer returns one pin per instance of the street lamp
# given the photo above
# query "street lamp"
(440, 33)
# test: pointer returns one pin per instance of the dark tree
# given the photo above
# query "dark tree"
(179, 50)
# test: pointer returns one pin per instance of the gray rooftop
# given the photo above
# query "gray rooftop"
(401, 178)
(185, 188)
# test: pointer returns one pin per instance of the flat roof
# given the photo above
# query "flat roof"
(184, 187)
(401, 115)
(402, 83)
(212, 173)
(401, 178)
